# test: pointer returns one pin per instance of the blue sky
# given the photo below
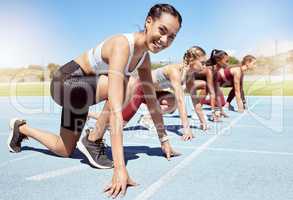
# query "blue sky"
(43, 31)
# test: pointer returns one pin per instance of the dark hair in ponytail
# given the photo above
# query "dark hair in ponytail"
(216, 55)
(157, 10)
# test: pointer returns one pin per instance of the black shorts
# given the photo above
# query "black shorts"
(198, 76)
(75, 91)
(161, 94)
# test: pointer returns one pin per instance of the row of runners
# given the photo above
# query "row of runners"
(118, 72)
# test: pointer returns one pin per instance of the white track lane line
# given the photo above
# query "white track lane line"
(153, 188)
(58, 172)
(278, 153)
(252, 151)
(72, 169)
(18, 159)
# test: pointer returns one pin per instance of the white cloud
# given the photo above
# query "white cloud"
(25, 40)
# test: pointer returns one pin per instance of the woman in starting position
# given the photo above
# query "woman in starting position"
(168, 81)
(77, 85)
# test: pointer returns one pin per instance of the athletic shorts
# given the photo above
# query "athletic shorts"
(75, 91)
(197, 76)
(161, 94)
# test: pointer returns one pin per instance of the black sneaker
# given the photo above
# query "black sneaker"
(95, 152)
(231, 108)
(15, 137)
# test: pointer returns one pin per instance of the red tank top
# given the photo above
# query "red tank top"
(225, 78)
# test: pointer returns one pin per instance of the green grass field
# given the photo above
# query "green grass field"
(25, 89)
(267, 88)
(251, 88)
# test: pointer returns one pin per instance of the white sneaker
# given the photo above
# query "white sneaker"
(194, 116)
(146, 121)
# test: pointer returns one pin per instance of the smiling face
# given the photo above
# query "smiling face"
(198, 64)
(161, 32)
(222, 61)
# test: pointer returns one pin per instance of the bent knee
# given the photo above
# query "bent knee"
(65, 153)
(198, 107)
(65, 150)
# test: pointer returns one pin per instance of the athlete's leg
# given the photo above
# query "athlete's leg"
(70, 89)
(134, 98)
(62, 145)
(193, 87)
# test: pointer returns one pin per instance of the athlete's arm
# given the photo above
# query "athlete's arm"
(218, 94)
(191, 86)
(237, 89)
(210, 85)
(145, 76)
(242, 92)
(118, 59)
(175, 79)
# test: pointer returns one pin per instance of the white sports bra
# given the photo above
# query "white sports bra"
(160, 79)
(100, 67)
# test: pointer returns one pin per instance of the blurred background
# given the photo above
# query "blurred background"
(37, 37)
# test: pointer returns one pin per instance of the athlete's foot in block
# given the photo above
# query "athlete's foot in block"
(193, 116)
(223, 114)
(231, 108)
(240, 110)
(15, 136)
(146, 121)
(95, 151)
(215, 118)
